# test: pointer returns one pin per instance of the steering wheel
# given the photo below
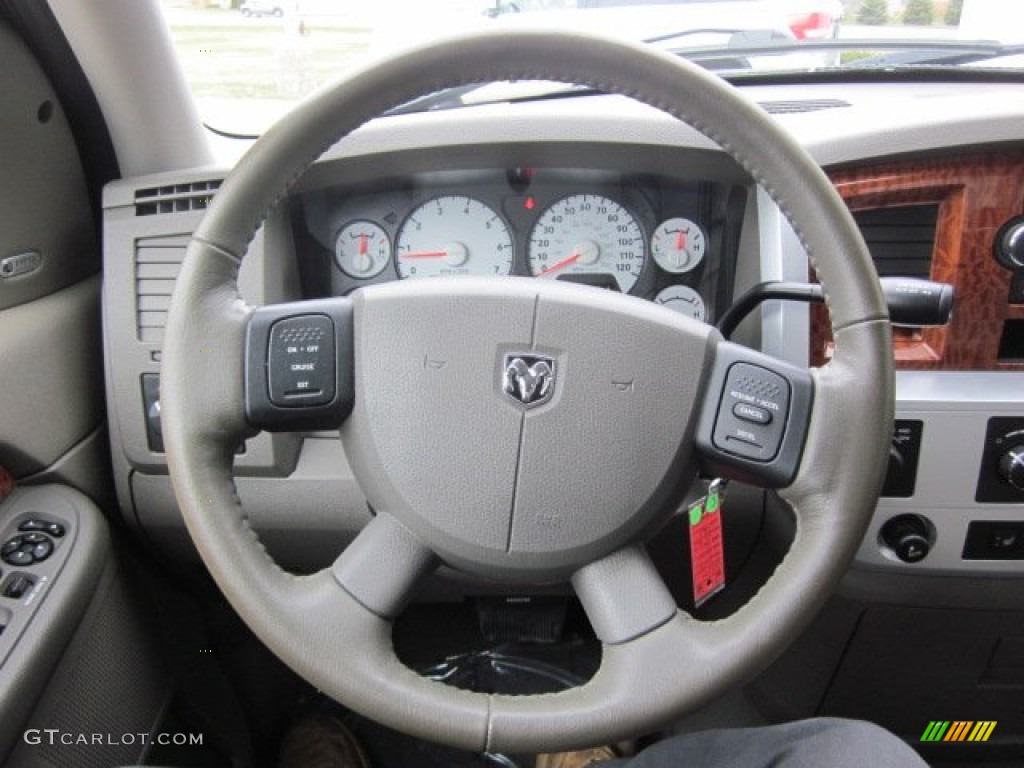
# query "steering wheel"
(520, 429)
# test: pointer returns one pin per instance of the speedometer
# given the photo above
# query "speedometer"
(453, 235)
(588, 238)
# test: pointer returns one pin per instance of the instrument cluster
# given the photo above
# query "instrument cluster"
(656, 238)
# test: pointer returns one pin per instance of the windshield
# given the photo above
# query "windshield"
(248, 61)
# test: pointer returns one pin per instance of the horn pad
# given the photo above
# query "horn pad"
(522, 428)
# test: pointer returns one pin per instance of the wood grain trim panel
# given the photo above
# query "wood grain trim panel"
(976, 194)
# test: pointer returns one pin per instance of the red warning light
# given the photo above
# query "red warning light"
(529, 204)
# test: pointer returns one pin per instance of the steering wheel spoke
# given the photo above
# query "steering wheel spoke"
(755, 416)
(299, 365)
(383, 565)
(623, 595)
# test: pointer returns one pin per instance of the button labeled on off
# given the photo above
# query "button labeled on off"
(751, 413)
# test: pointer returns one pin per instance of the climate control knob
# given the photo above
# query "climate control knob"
(1011, 467)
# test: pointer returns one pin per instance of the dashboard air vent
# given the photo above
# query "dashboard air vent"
(806, 105)
(900, 239)
(157, 263)
(175, 198)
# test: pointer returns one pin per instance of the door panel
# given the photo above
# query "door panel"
(51, 379)
(51, 376)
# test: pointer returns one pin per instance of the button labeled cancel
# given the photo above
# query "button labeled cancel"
(751, 413)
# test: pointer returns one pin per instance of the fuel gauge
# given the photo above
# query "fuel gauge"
(678, 245)
(683, 299)
(362, 249)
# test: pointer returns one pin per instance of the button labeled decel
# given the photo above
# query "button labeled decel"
(301, 361)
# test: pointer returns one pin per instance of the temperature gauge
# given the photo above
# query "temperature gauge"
(678, 245)
(362, 250)
(684, 300)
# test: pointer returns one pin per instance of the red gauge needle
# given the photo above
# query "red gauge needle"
(680, 241)
(559, 265)
(362, 245)
(425, 255)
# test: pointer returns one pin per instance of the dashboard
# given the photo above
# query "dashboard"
(606, 192)
(670, 240)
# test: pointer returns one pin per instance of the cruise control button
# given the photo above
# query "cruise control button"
(11, 546)
(34, 538)
(751, 413)
(745, 437)
(32, 525)
(301, 361)
(56, 529)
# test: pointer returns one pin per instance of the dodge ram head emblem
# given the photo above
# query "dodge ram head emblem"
(530, 379)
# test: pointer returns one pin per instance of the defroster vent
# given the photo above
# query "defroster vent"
(795, 106)
(175, 198)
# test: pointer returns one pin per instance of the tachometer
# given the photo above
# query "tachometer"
(585, 237)
(453, 235)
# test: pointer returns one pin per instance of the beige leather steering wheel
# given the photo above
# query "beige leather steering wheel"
(516, 502)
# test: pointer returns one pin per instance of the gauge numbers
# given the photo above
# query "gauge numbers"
(678, 245)
(684, 300)
(362, 250)
(588, 236)
(453, 235)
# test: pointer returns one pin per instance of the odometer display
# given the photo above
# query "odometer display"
(588, 235)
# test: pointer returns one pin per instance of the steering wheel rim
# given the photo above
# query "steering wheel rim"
(333, 627)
